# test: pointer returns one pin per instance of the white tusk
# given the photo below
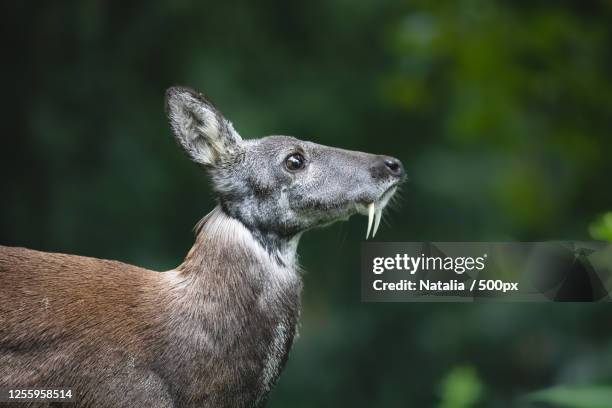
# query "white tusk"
(377, 221)
(371, 209)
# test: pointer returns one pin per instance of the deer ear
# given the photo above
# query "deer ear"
(200, 129)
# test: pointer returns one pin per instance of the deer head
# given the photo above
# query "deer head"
(280, 186)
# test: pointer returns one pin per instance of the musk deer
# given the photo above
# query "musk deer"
(215, 331)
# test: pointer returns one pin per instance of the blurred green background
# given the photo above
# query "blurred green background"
(500, 111)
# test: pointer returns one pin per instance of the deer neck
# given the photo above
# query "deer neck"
(225, 246)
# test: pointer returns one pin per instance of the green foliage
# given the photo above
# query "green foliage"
(461, 388)
(575, 397)
(602, 228)
(510, 84)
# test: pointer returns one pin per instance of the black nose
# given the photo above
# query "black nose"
(394, 166)
(387, 166)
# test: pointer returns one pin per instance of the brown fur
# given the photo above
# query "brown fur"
(123, 336)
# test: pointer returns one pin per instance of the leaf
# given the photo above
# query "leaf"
(575, 397)
(461, 388)
(602, 228)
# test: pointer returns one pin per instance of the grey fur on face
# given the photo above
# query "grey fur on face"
(255, 185)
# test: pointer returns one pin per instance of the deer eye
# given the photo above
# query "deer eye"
(295, 162)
